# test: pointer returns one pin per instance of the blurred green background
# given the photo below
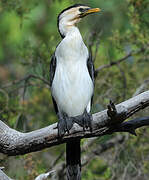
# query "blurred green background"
(28, 37)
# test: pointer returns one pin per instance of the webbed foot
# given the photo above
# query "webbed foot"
(84, 120)
(65, 123)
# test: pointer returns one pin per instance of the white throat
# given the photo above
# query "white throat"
(67, 24)
(65, 28)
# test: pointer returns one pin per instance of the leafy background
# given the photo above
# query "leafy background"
(28, 37)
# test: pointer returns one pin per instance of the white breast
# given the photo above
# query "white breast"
(72, 87)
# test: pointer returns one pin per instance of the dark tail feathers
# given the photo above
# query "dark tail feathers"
(73, 160)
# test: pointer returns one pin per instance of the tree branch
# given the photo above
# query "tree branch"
(112, 63)
(44, 176)
(26, 78)
(3, 176)
(13, 142)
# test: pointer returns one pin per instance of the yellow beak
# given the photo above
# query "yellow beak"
(89, 11)
(93, 10)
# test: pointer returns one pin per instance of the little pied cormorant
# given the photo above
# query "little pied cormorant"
(72, 82)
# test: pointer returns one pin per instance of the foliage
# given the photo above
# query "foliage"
(28, 37)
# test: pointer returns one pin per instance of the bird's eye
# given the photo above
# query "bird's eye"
(81, 10)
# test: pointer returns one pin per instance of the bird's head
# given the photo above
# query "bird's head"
(72, 15)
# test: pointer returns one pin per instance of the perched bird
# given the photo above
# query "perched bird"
(72, 82)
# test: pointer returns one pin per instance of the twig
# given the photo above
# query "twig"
(57, 159)
(28, 77)
(97, 46)
(112, 63)
(102, 148)
(142, 87)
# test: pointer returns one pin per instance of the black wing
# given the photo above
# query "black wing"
(91, 70)
(52, 68)
(52, 73)
(90, 66)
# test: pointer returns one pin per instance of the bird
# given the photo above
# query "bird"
(72, 82)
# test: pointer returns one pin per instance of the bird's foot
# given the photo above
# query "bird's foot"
(64, 125)
(84, 120)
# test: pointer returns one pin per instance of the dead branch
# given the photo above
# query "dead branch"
(108, 121)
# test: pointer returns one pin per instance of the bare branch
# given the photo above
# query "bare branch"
(3, 176)
(44, 176)
(112, 63)
(13, 142)
(26, 79)
(142, 87)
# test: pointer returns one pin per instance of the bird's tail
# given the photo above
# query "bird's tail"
(73, 160)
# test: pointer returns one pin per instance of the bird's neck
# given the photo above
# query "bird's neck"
(73, 31)
(72, 45)
(73, 40)
(66, 29)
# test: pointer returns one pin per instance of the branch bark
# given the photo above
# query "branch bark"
(3, 176)
(44, 176)
(14, 143)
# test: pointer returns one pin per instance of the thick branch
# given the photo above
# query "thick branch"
(13, 142)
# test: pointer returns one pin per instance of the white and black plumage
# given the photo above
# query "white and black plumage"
(72, 81)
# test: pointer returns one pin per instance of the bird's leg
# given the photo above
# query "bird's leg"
(84, 120)
(65, 123)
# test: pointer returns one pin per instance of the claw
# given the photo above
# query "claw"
(64, 125)
(84, 120)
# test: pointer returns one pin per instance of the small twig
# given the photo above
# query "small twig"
(142, 87)
(125, 171)
(112, 63)
(29, 84)
(101, 148)
(97, 46)
(57, 159)
(28, 77)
